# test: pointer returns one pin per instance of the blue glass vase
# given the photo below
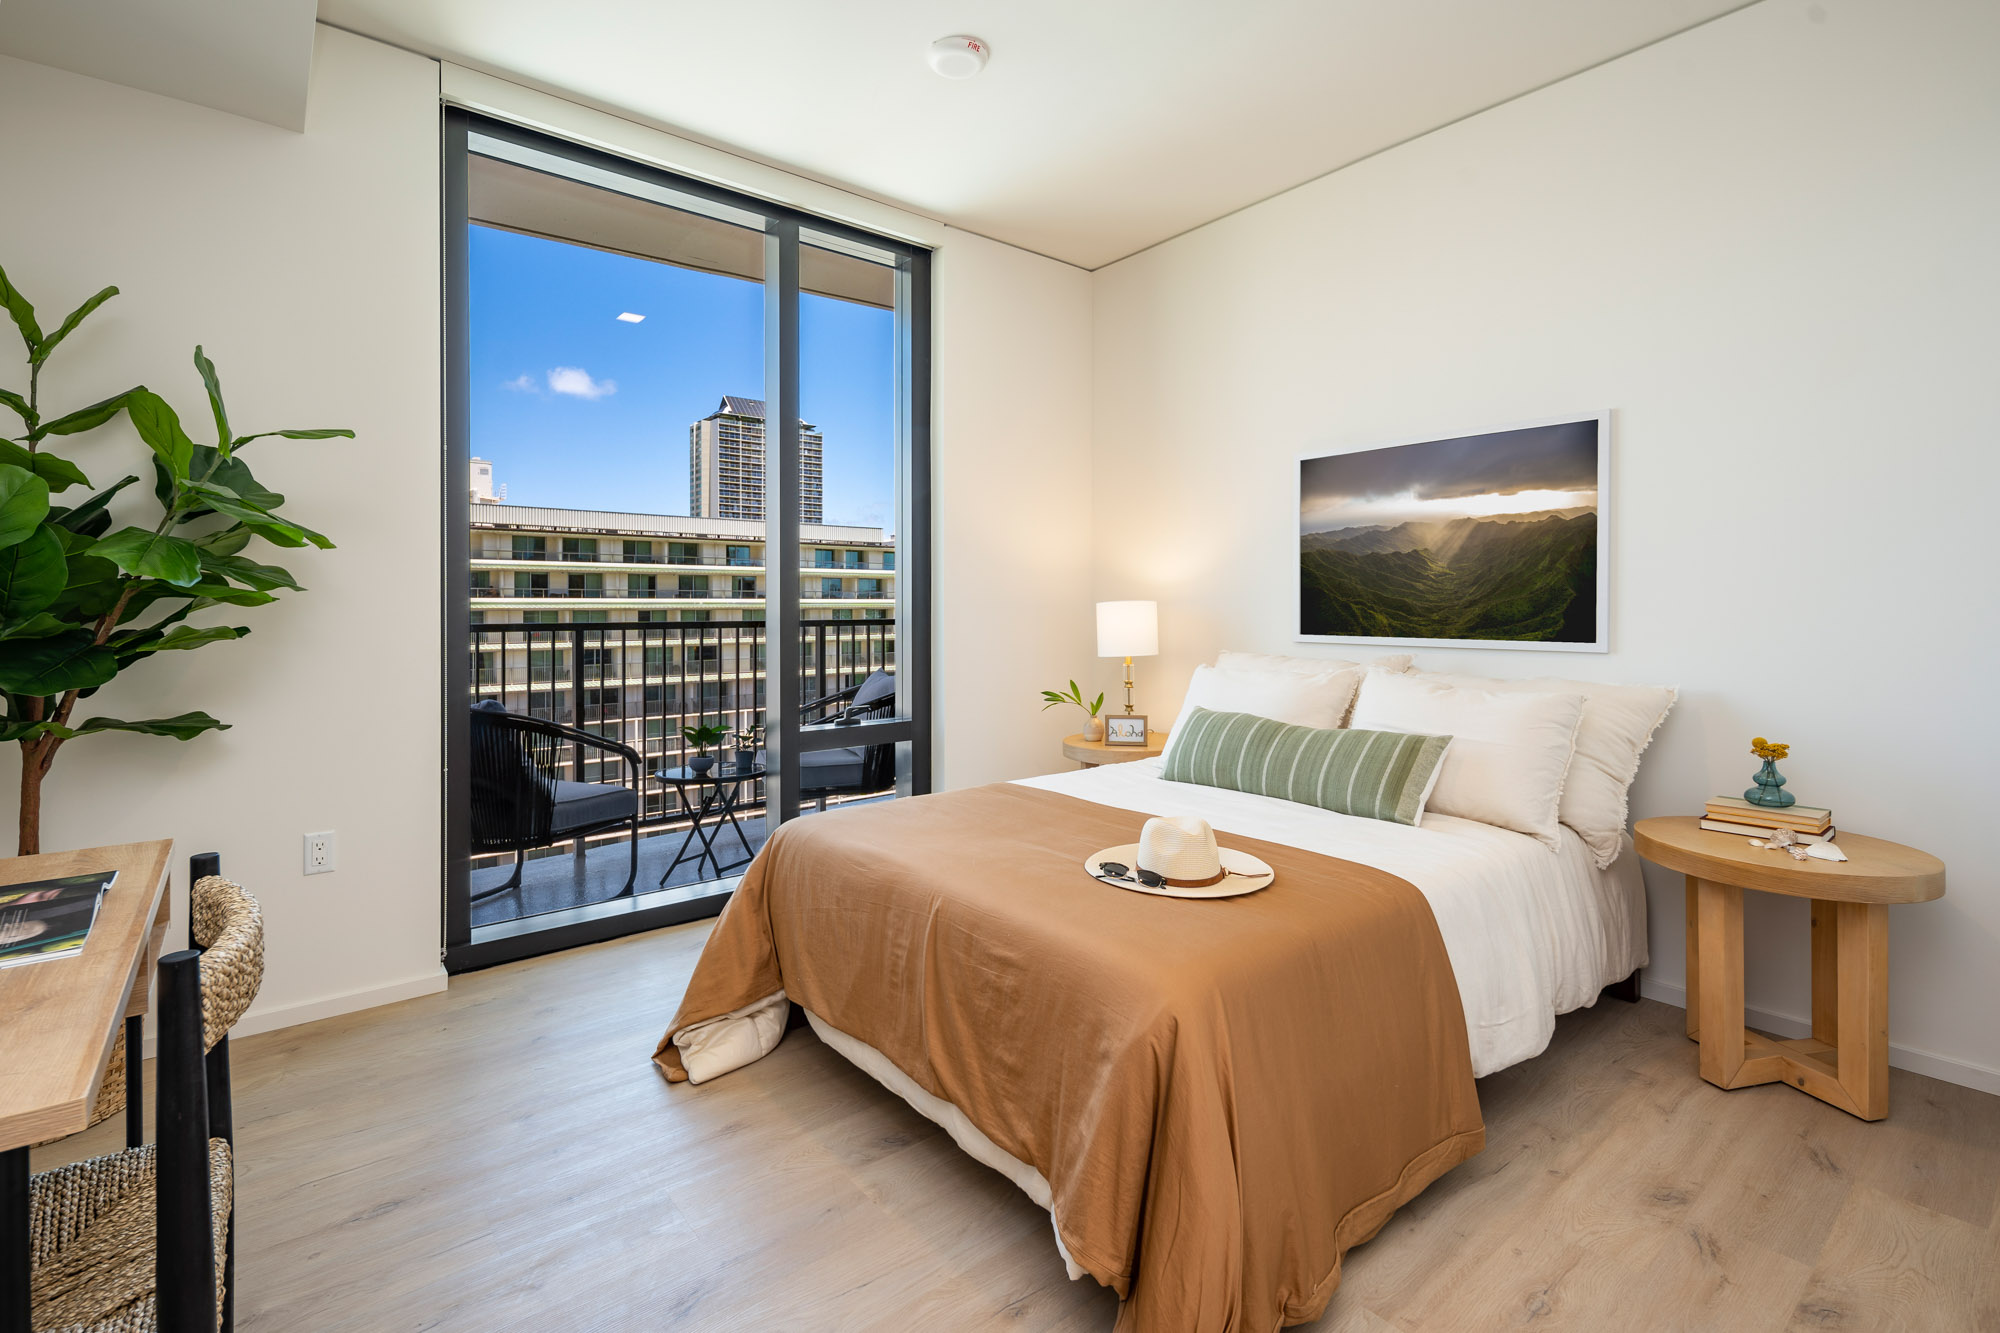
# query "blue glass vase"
(1770, 789)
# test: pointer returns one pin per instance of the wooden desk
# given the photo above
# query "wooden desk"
(58, 1021)
(1846, 1060)
(1091, 753)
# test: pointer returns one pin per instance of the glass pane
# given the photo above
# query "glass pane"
(849, 390)
(617, 544)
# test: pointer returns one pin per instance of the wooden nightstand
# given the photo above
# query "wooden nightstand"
(1092, 753)
(1846, 1060)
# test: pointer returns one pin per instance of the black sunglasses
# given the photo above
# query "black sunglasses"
(1115, 871)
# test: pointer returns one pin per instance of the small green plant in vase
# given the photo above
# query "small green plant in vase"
(701, 736)
(1093, 727)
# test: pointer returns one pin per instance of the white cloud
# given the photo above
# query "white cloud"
(577, 383)
(521, 384)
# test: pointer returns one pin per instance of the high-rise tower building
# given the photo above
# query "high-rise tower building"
(726, 464)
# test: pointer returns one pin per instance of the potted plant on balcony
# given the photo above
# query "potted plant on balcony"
(79, 602)
(748, 742)
(701, 736)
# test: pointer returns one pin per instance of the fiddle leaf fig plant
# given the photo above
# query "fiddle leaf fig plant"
(81, 602)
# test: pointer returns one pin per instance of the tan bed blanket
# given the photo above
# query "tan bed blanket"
(1224, 1096)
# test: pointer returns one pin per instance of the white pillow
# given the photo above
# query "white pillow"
(1319, 700)
(1306, 666)
(1310, 666)
(1618, 724)
(1508, 753)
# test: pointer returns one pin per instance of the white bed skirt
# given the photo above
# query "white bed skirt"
(941, 1112)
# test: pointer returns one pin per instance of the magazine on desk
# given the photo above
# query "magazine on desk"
(49, 918)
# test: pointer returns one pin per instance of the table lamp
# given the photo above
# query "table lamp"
(1128, 630)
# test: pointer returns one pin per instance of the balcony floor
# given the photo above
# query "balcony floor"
(553, 882)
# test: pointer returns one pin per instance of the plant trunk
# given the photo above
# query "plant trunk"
(30, 843)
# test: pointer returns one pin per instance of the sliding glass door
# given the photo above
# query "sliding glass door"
(687, 536)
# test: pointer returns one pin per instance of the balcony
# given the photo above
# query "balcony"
(640, 684)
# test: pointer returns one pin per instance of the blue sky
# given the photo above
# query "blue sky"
(578, 410)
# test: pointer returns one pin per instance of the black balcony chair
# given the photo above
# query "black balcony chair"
(849, 770)
(518, 804)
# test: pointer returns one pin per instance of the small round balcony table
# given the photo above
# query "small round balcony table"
(1846, 1060)
(720, 792)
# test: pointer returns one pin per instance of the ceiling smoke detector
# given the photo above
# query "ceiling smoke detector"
(958, 57)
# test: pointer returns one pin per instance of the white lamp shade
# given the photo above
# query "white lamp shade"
(1128, 629)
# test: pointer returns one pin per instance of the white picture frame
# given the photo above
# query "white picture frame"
(1599, 641)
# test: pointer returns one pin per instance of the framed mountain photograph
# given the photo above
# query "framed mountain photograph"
(1497, 540)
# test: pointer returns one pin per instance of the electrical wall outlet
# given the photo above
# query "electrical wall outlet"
(319, 853)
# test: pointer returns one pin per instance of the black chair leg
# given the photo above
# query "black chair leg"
(222, 1125)
(14, 1242)
(183, 1237)
(520, 859)
(135, 1081)
(632, 876)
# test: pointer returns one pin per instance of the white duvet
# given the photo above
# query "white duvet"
(1531, 933)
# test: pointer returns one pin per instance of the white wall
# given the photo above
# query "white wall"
(307, 265)
(1014, 514)
(1768, 245)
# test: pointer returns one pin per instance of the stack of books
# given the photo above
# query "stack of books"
(1733, 814)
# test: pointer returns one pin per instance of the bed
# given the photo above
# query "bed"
(1210, 1145)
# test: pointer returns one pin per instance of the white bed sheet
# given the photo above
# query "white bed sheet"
(1531, 933)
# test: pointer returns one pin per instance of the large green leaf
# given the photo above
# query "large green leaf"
(61, 662)
(91, 517)
(210, 382)
(151, 555)
(24, 504)
(209, 473)
(248, 572)
(37, 626)
(225, 541)
(20, 405)
(59, 473)
(91, 585)
(161, 429)
(90, 418)
(209, 593)
(76, 317)
(282, 532)
(297, 435)
(179, 638)
(23, 313)
(185, 726)
(32, 575)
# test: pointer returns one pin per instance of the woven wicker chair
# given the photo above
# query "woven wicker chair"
(131, 1241)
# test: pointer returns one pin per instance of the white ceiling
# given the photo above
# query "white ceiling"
(1100, 126)
(250, 57)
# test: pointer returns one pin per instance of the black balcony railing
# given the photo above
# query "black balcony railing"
(643, 594)
(636, 558)
(642, 683)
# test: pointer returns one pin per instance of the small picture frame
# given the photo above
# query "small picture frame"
(1125, 729)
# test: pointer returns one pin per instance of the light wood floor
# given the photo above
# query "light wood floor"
(503, 1156)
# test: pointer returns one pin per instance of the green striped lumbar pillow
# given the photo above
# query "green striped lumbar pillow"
(1373, 774)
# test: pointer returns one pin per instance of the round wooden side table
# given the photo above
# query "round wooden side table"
(1091, 753)
(1846, 1060)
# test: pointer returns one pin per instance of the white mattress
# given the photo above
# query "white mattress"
(1531, 933)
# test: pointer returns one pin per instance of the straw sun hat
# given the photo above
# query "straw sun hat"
(1181, 856)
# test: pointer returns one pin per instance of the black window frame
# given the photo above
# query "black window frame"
(910, 731)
